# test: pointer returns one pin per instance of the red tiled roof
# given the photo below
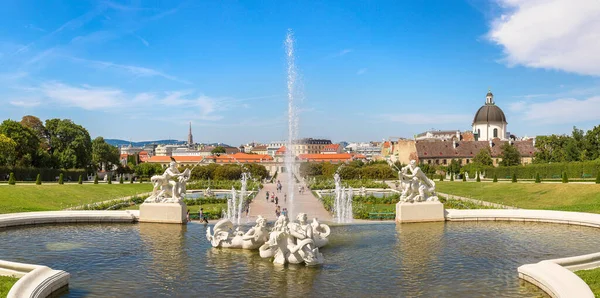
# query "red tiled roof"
(177, 158)
(331, 148)
(281, 150)
(468, 149)
(143, 153)
(241, 157)
(386, 144)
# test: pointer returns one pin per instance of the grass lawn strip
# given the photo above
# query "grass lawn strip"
(26, 198)
(6, 282)
(564, 197)
(592, 278)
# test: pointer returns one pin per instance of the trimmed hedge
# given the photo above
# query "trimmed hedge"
(30, 174)
(546, 171)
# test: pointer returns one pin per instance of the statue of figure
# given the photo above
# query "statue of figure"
(292, 243)
(336, 178)
(416, 186)
(224, 236)
(320, 233)
(169, 187)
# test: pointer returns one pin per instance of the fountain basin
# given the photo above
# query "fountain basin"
(451, 259)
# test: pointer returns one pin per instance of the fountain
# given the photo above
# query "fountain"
(290, 157)
(342, 205)
(235, 204)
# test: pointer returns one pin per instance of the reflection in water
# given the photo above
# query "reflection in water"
(468, 259)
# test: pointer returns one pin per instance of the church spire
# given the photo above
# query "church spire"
(190, 139)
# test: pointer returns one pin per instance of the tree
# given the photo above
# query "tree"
(565, 178)
(598, 178)
(8, 150)
(35, 124)
(537, 178)
(38, 179)
(121, 180)
(478, 179)
(218, 149)
(11, 179)
(441, 177)
(592, 138)
(454, 166)
(131, 179)
(510, 155)
(70, 144)
(60, 179)
(80, 180)
(104, 154)
(26, 141)
(96, 179)
(514, 178)
(109, 179)
(483, 158)
(495, 178)
(464, 177)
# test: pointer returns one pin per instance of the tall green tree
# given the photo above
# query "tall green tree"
(218, 149)
(25, 138)
(510, 155)
(454, 166)
(8, 150)
(70, 144)
(484, 157)
(35, 124)
(104, 154)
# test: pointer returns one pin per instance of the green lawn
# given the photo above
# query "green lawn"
(552, 196)
(25, 198)
(592, 278)
(6, 282)
(211, 209)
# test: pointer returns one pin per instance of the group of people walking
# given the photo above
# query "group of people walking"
(273, 198)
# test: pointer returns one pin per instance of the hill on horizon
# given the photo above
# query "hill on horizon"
(119, 143)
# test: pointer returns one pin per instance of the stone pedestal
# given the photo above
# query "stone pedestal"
(163, 212)
(419, 212)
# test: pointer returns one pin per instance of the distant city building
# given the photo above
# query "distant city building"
(300, 146)
(167, 150)
(332, 149)
(185, 152)
(369, 149)
(130, 150)
(261, 149)
(150, 149)
(439, 135)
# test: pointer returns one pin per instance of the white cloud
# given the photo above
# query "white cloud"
(25, 103)
(145, 42)
(34, 27)
(135, 70)
(361, 71)
(344, 52)
(564, 110)
(85, 97)
(517, 106)
(550, 34)
(416, 119)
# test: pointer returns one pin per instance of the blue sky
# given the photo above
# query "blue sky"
(369, 69)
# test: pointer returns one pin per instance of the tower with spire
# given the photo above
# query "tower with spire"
(190, 139)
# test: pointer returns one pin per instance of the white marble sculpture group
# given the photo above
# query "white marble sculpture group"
(416, 186)
(167, 190)
(287, 242)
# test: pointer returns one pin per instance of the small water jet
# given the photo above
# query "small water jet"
(342, 204)
(290, 157)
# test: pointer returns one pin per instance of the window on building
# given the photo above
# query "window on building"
(429, 161)
(445, 162)
(495, 132)
(479, 132)
(467, 161)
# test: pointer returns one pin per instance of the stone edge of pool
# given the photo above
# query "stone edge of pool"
(38, 281)
(554, 277)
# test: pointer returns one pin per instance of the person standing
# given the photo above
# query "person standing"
(267, 195)
(276, 200)
(285, 198)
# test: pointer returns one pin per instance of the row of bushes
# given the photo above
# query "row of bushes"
(328, 183)
(223, 184)
(46, 174)
(583, 169)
